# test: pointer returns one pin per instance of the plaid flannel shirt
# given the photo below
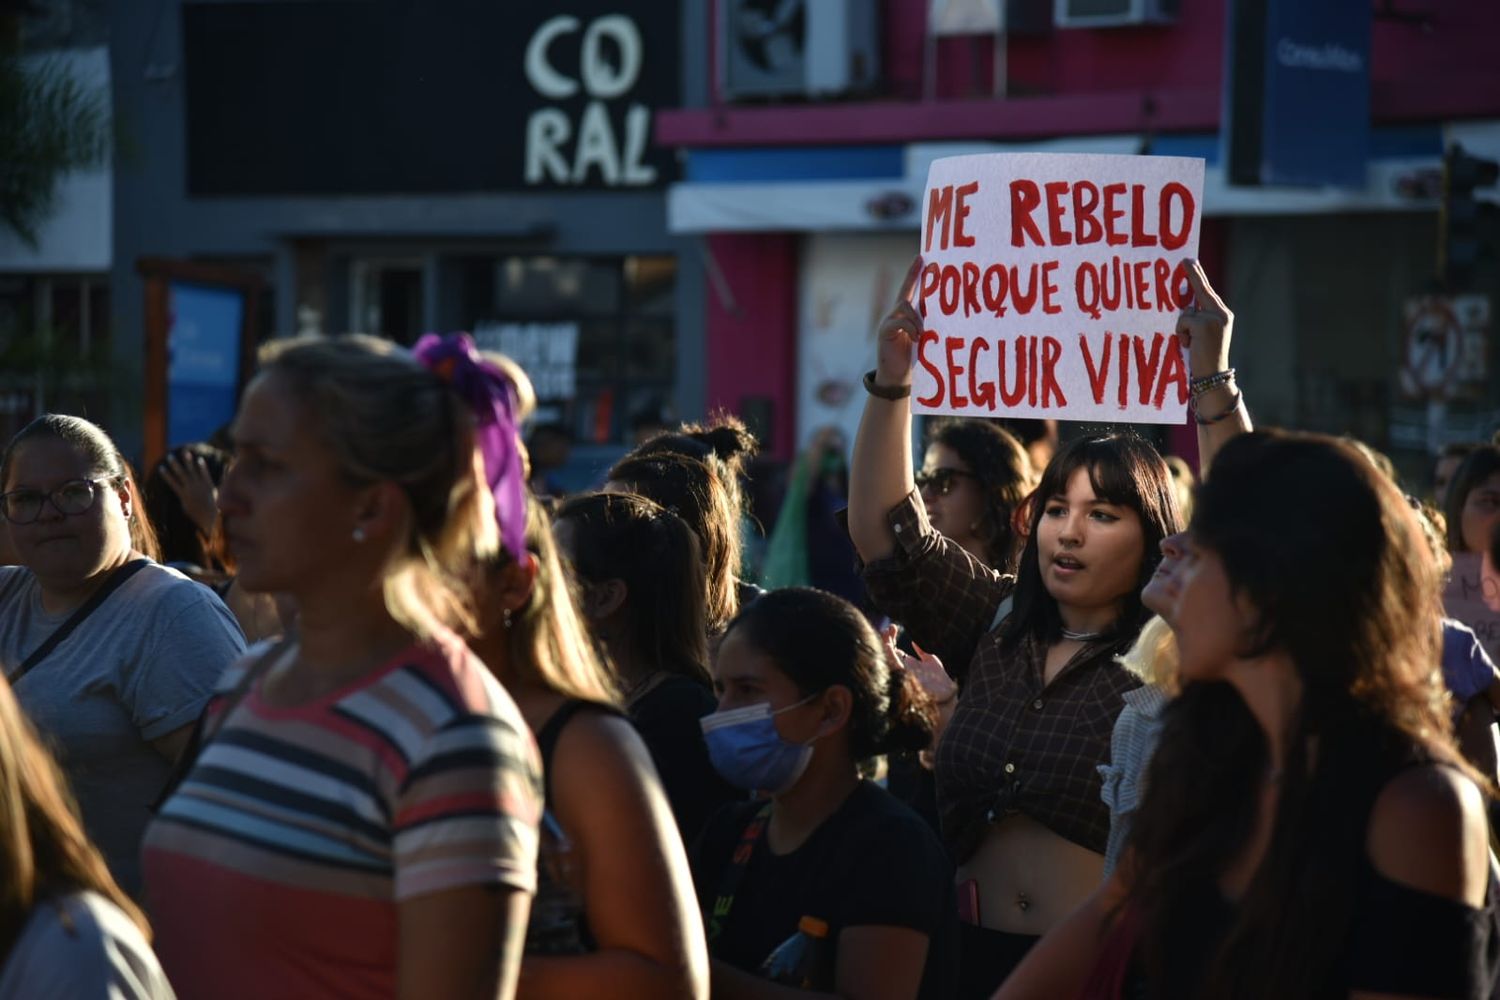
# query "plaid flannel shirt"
(1014, 745)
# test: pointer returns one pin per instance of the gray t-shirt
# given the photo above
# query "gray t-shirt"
(81, 946)
(140, 667)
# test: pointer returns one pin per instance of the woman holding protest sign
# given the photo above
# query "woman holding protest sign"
(1034, 654)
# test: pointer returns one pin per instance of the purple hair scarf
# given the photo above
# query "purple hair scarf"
(488, 391)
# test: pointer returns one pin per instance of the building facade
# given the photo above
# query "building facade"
(808, 203)
(396, 168)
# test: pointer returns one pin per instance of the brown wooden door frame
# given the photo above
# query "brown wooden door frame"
(159, 274)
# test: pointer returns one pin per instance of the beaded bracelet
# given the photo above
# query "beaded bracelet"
(1208, 383)
(1239, 401)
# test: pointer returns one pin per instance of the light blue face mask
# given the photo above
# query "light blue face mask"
(749, 753)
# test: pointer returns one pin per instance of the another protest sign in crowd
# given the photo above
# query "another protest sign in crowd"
(1074, 744)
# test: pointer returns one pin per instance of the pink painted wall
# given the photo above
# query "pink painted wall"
(1432, 40)
(751, 332)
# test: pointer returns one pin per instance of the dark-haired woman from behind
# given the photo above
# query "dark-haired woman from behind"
(724, 445)
(641, 579)
(1347, 853)
(700, 495)
(807, 693)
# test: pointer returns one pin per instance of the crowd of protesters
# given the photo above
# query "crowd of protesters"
(340, 706)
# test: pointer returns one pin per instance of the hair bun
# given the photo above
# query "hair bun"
(728, 438)
(913, 713)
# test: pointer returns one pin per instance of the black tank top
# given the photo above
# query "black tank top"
(558, 923)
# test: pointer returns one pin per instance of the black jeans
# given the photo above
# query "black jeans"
(986, 957)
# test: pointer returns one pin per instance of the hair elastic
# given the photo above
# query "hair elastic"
(488, 391)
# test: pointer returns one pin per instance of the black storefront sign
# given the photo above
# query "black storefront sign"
(439, 96)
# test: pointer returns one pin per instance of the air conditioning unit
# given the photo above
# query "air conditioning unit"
(1114, 13)
(797, 48)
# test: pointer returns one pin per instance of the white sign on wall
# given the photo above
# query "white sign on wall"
(562, 149)
(547, 351)
(848, 283)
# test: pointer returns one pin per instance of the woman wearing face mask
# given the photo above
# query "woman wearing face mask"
(807, 692)
(642, 590)
(1034, 655)
(112, 656)
(1350, 854)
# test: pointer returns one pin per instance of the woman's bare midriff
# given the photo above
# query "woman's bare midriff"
(1029, 878)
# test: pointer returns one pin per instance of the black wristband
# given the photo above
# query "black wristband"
(891, 392)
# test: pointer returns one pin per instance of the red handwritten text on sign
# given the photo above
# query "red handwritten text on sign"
(1051, 285)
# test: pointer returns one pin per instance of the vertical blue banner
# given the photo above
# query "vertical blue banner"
(203, 360)
(1298, 92)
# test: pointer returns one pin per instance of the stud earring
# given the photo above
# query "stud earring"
(507, 617)
(359, 534)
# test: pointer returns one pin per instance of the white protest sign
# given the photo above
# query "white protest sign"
(547, 352)
(1465, 599)
(1051, 285)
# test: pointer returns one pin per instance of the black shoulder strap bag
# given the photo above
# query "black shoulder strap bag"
(114, 582)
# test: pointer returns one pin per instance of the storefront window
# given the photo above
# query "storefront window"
(596, 334)
(54, 347)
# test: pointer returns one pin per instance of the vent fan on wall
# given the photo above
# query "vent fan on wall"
(1114, 13)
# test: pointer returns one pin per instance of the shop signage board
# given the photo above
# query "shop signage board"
(428, 98)
(1297, 92)
(1051, 286)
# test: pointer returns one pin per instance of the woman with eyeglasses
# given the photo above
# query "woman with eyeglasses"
(1037, 687)
(974, 478)
(111, 655)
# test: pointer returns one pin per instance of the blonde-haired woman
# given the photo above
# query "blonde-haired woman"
(66, 928)
(615, 914)
(362, 821)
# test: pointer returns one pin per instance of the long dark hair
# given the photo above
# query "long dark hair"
(724, 444)
(1481, 463)
(692, 490)
(1124, 469)
(819, 640)
(1343, 583)
(619, 536)
(105, 459)
(1002, 468)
